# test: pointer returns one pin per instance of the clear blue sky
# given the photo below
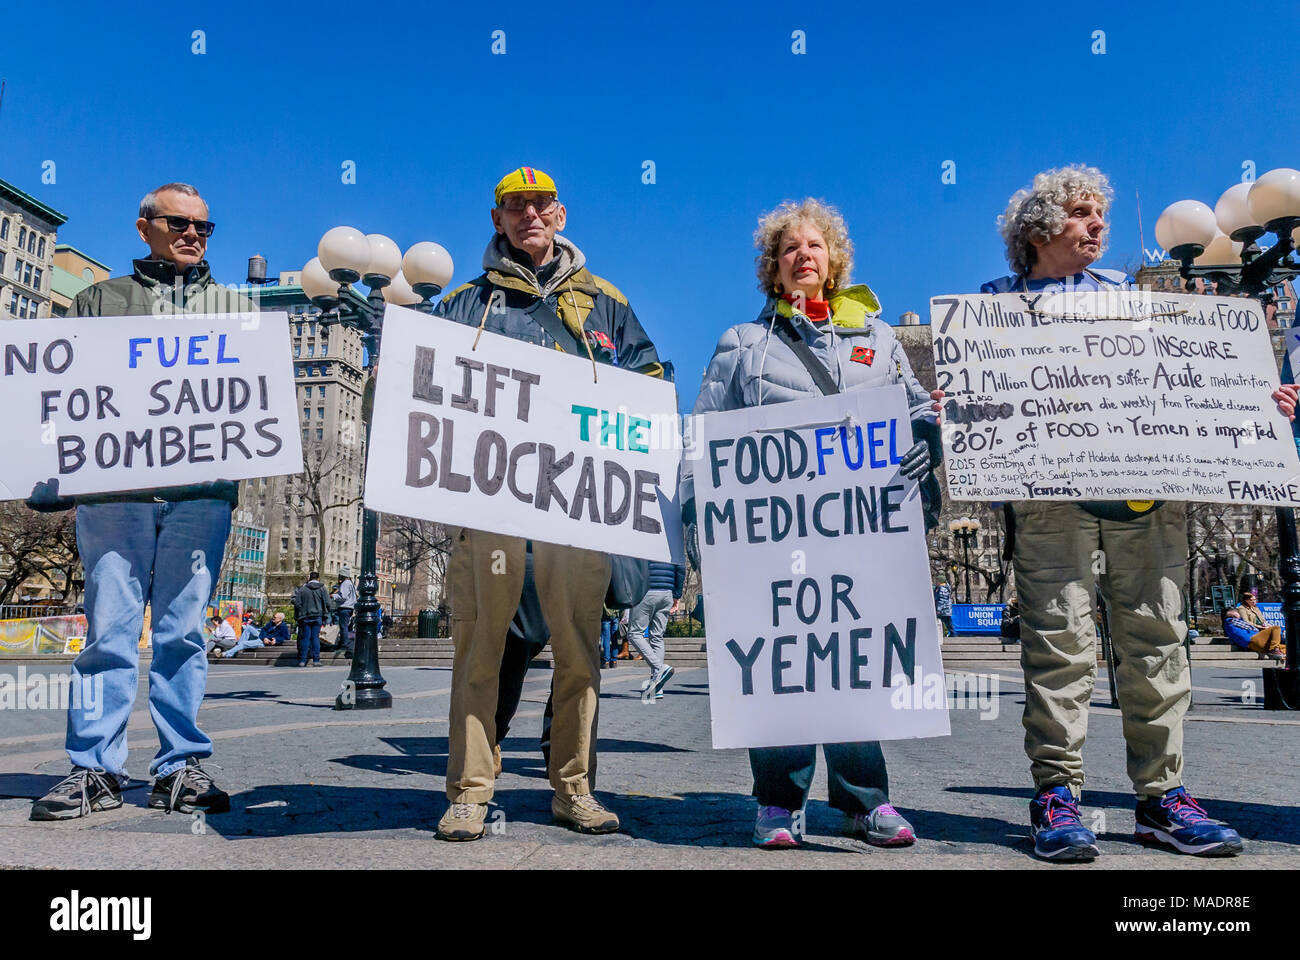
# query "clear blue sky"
(733, 121)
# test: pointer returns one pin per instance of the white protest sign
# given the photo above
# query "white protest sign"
(107, 404)
(816, 574)
(514, 438)
(1121, 395)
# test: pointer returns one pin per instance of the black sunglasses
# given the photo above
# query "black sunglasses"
(203, 228)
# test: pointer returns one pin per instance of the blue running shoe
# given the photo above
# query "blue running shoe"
(1177, 821)
(1058, 832)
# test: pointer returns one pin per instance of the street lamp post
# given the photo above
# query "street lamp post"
(1220, 245)
(965, 529)
(344, 256)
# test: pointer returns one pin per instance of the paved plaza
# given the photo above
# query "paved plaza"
(312, 787)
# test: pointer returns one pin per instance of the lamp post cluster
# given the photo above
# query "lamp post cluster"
(1221, 245)
(344, 256)
(965, 530)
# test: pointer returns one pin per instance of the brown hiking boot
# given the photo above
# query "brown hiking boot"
(584, 813)
(462, 821)
(496, 759)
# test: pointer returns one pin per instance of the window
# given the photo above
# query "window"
(311, 349)
(13, 305)
(18, 269)
(297, 350)
(31, 242)
(22, 237)
(27, 274)
(2, 263)
(320, 413)
(298, 372)
(4, 229)
(40, 249)
(320, 434)
(36, 279)
(306, 413)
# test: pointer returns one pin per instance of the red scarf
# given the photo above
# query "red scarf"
(814, 310)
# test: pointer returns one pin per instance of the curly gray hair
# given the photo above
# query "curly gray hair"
(820, 214)
(1039, 212)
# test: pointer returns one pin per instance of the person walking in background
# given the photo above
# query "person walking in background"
(608, 626)
(661, 599)
(804, 260)
(943, 606)
(311, 605)
(345, 604)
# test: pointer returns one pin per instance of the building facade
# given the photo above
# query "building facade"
(28, 229)
(72, 272)
(243, 568)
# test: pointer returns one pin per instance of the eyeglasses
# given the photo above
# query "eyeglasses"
(203, 228)
(543, 205)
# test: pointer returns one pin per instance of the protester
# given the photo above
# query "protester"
(943, 606)
(661, 600)
(345, 602)
(1246, 627)
(535, 287)
(160, 546)
(805, 258)
(1054, 232)
(311, 605)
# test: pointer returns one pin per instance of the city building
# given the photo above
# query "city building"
(27, 233)
(243, 568)
(313, 520)
(73, 271)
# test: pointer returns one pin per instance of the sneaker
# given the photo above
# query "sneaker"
(462, 821)
(774, 829)
(188, 790)
(883, 827)
(1176, 820)
(1058, 832)
(80, 793)
(584, 813)
(496, 760)
(645, 684)
(661, 679)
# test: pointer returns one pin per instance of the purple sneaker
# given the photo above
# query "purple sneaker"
(883, 827)
(774, 829)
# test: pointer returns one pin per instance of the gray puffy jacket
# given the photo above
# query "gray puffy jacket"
(753, 366)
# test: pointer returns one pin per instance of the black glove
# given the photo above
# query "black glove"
(916, 462)
(45, 497)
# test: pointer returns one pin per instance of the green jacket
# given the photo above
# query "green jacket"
(154, 288)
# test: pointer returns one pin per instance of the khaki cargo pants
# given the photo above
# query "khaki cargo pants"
(485, 577)
(1141, 568)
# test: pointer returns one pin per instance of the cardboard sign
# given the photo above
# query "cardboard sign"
(105, 404)
(1121, 395)
(514, 438)
(815, 574)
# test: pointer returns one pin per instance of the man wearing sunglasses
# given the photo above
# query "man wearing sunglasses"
(161, 546)
(535, 287)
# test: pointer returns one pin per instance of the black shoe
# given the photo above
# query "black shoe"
(187, 790)
(78, 794)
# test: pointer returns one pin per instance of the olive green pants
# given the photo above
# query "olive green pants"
(1061, 553)
(485, 577)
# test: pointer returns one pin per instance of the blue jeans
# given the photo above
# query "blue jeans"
(309, 639)
(249, 640)
(607, 640)
(167, 555)
(345, 628)
(855, 774)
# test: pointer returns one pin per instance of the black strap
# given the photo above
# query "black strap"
(549, 321)
(790, 337)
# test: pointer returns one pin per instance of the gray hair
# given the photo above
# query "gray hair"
(149, 205)
(1039, 212)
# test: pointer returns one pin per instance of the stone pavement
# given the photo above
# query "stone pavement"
(315, 788)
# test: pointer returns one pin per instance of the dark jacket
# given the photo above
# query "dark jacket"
(311, 601)
(279, 633)
(591, 308)
(155, 288)
(667, 576)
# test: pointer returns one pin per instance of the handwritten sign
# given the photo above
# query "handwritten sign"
(513, 438)
(815, 574)
(106, 404)
(1123, 395)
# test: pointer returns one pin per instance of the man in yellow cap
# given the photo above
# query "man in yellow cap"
(534, 287)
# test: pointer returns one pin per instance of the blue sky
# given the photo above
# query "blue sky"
(732, 119)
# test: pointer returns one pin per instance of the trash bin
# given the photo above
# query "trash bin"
(427, 627)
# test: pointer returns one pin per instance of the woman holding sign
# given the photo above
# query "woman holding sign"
(814, 336)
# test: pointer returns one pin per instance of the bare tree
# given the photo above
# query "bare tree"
(328, 483)
(418, 544)
(37, 544)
